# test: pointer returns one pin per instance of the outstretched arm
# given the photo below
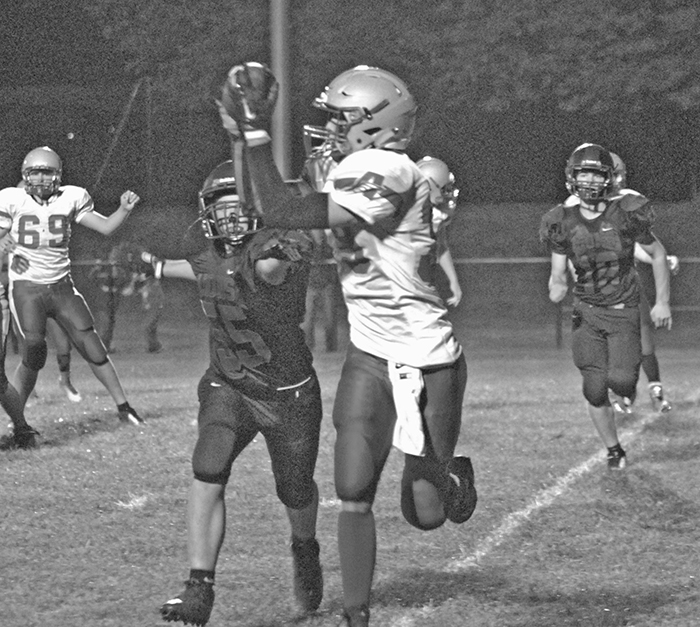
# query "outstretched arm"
(106, 225)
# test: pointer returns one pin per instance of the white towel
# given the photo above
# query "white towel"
(407, 386)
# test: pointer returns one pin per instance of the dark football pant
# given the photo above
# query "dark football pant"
(33, 303)
(364, 416)
(606, 346)
(290, 422)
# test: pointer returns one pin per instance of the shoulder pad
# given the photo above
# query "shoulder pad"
(632, 202)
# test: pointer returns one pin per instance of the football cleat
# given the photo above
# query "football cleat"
(356, 616)
(462, 499)
(24, 438)
(656, 394)
(194, 604)
(617, 458)
(308, 576)
(621, 404)
(128, 415)
(70, 391)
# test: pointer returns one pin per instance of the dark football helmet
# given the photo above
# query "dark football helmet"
(221, 212)
(368, 108)
(41, 172)
(590, 158)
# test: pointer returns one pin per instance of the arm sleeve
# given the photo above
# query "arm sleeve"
(280, 208)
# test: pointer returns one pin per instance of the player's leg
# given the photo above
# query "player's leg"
(225, 429)
(29, 310)
(364, 416)
(292, 442)
(72, 313)
(438, 485)
(61, 343)
(590, 353)
(153, 301)
(23, 435)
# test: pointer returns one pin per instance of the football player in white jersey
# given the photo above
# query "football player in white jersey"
(39, 219)
(443, 196)
(405, 374)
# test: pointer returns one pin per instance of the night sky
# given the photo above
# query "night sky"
(58, 44)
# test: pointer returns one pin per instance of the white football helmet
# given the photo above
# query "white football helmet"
(443, 191)
(221, 213)
(41, 172)
(619, 172)
(368, 108)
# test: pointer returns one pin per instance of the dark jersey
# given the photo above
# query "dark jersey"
(601, 250)
(254, 326)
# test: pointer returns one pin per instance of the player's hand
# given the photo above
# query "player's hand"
(661, 315)
(674, 264)
(228, 122)
(128, 200)
(20, 264)
(456, 297)
(249, 96)
(7, 244)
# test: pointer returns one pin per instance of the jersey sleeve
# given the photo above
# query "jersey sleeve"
(83, 203)
(552, 232)
(372, 184)
(7, 202)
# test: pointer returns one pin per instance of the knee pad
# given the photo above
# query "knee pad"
(34, 354)
(595, 389)
(91, 347)
(296, 496)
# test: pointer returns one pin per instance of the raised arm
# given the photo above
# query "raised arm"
(106, 225)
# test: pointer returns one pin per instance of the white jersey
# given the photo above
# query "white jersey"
(42, 231)
(385, 265)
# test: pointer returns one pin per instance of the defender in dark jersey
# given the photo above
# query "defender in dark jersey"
(597, 235)
(252, 286)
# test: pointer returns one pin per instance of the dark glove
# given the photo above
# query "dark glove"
(248, 97)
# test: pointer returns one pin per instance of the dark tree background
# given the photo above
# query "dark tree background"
(506, 88)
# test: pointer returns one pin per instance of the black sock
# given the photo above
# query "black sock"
(616, 449)
(124, 406)
(202, 575)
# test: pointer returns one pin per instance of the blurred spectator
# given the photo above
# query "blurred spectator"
(322, 297)
(118, 278)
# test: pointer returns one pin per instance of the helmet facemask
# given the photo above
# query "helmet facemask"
(223, 217)
(41, 172)
(590, 158)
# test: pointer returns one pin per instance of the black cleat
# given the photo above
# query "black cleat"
(617, 458)
(462, 501)
(308, 576)
(193, 605)
(356, 616)
(128, 415)
(24, 438)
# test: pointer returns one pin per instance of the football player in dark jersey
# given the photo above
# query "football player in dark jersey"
(405, 372)
(23, 435)
(597, 235)
(252, 285)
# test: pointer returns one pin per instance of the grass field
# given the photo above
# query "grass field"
(92, 524)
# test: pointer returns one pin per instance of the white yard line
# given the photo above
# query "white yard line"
(513, 521)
